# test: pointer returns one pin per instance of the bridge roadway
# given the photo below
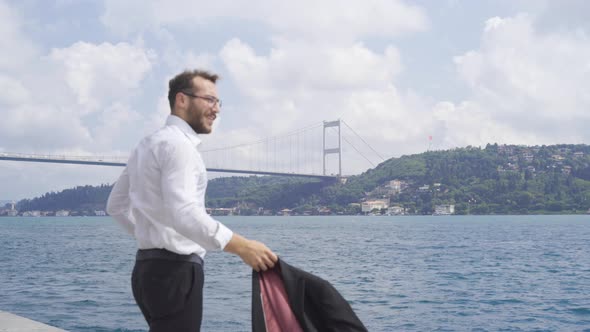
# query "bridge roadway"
(102, 162)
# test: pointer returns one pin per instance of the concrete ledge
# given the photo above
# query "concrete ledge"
(14, 323)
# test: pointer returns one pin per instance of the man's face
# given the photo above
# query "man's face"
(202, 110)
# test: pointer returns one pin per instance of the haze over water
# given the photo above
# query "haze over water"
(472, 273)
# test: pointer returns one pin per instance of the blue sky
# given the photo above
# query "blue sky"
(89, 78)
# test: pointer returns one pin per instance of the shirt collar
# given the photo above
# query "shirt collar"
(176, 121)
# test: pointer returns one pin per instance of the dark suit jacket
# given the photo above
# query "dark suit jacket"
(316, 304)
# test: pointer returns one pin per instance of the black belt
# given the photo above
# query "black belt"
(145, 254)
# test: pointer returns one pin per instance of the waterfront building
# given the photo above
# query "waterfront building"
(395, 210)
(447, 209)
(32, 214)
(285, 212)
(222, 212)
(379, 204)
(62, 213)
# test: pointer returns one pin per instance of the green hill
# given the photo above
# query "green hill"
(83, 199)
(496, 179)
(505, 179)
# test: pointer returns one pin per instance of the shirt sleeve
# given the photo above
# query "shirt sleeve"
(184, 203)
(119, 204)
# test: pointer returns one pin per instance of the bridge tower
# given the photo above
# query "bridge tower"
(337, 149)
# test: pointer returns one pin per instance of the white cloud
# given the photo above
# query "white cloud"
(468, 124)
(173, 54)
(117, 16)
(290, 83)
(114, 122)
(337, 20)
(157, 119)
(36, 108)
(344, 20)
(17, 50)
(13, 91)
(101, 73)
(38, 113)
(36, 128)
(531, 85)
(30, 121)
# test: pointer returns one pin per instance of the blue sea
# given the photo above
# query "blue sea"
(444, 273)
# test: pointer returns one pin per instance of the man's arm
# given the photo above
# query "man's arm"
(119, 204)
(189, 218)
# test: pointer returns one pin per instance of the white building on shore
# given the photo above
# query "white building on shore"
(32, 214)
(395, 210)
(62, 213)
(379, 204)
(444, 210)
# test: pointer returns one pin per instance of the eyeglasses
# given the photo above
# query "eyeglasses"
(212, 101)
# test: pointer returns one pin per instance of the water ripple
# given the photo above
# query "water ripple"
(525, 273)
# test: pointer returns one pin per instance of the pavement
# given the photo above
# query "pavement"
(13, 323)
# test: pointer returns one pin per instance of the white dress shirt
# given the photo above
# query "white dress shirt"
(160, 196)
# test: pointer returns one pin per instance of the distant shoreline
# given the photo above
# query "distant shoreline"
(331, 216)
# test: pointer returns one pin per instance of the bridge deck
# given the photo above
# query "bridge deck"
(120, 164)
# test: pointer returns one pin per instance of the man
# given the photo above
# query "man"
(160, 199)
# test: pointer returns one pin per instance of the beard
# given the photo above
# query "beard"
(199, 120)
(200, 127)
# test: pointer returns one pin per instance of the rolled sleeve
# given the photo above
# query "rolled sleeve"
(223, 235)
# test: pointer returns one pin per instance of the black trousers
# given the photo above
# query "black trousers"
(169, 294)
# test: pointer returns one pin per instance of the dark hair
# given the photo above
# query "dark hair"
(184, 81)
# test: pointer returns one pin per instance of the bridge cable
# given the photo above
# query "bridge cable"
(362, 155)
(262, 140)
(377, 153)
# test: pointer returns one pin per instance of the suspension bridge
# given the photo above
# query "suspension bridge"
(315, 151)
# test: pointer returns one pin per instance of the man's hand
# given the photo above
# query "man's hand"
(253, 253)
